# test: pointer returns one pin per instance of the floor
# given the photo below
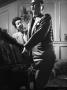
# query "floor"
(58, 83)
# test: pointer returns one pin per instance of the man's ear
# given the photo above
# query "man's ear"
(42, 7)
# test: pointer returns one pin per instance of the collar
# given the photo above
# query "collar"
(40, 15)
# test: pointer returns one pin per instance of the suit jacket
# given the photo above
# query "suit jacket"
(40, 37)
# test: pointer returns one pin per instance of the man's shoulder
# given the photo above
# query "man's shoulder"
(46, 16)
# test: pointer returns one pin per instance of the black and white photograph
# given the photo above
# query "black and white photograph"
(33, 44)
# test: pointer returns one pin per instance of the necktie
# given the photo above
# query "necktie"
(33, 20)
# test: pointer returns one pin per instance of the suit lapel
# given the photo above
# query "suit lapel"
(35, 24)
(30, 25)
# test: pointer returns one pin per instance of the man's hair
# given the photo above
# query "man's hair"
(14, 20)
(37, 1)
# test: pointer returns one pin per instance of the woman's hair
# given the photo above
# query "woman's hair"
(14, 20)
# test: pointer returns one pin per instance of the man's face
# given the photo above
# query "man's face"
(18, 25)
(35, 7)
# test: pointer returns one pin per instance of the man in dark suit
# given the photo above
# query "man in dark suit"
(40, 45)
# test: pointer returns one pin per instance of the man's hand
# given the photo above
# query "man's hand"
(25, 52)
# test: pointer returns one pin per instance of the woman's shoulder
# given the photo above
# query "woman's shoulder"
(17, 34)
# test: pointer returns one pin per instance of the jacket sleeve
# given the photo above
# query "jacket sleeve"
(40, 33)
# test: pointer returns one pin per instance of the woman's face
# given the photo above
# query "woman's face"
(19, 25)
